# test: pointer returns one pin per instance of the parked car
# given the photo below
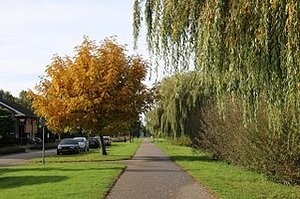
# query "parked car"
(83, 143)
(94, 143)
(107, 140)
(33, 140)
(68, 145)
(38, 140)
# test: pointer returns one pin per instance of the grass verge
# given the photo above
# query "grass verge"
(227, 181)
(65, 180)
(118, 151)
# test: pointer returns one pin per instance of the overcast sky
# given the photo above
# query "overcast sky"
(32, 31)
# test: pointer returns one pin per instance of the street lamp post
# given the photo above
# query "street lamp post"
(42, 123)
(21, 126)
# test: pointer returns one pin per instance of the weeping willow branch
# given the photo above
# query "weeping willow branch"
(247, 49)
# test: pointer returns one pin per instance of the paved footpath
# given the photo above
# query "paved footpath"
(152, 175)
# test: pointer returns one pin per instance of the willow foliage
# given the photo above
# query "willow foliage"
(249, 49)
(178, 98)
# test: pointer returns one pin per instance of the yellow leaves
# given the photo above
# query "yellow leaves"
(273, 4)
(290, 13)
(99, 84)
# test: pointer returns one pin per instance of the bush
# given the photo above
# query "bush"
(255, 146)
(12, 149)
(8, 140)
(40, 146)
(181, 141)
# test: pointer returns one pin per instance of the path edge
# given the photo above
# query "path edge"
(122, 172)
(214, 194)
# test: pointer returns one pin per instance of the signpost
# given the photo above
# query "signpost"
(42, 123)
(22, 120)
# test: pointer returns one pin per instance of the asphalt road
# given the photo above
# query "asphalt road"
(19, 158)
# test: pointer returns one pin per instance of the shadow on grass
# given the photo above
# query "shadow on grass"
(202, 158)
(7, 170)
(152, 158)
(155, 170)
(18, 181)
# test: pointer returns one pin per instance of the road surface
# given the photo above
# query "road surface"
(19, 158)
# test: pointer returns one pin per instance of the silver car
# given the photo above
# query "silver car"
(83, 143)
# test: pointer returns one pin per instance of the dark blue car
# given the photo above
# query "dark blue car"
(67, 146)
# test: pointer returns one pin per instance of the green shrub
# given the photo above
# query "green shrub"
(181, 141)
(8, 140)
(50, 145)
(11, 149)
(255, 146)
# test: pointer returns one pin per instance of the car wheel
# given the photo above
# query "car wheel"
(57, 153)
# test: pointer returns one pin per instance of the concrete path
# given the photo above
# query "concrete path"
(152, 175)
(19, 158)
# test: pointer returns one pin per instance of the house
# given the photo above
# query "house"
(25, 120)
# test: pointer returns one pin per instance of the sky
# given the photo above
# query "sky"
(33, 31)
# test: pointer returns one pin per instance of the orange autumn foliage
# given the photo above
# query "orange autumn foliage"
(100, 89)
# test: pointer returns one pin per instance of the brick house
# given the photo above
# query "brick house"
(25, 120)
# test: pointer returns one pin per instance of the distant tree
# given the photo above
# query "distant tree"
(6, 122)
(7, 95)
(23, 100)
(99, 90)
(177, 110)
(136, 129)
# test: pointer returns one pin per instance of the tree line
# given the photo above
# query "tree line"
(243, 97)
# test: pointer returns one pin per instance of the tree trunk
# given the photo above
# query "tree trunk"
(103, 146)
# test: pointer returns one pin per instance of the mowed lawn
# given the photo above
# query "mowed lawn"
(118, 151)
(64, 180)
(66, 176)
(227, 181)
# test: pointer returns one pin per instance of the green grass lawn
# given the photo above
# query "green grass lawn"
(60, 178)
(225, 180)
(64, 180)
(117, 151)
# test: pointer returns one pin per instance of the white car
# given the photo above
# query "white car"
(83, 143)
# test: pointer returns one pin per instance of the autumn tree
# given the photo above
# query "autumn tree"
(99, 90)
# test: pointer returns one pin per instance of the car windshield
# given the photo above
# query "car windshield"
(68, 141)
(79, 139)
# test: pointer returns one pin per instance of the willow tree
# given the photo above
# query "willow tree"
(178, 108)
(246, 49)
(99, 90)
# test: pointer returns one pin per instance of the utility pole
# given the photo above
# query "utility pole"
(42, 123)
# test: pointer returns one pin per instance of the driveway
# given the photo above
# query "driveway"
(19, 158)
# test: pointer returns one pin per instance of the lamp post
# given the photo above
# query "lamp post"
(42, 123)
(22, 120)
